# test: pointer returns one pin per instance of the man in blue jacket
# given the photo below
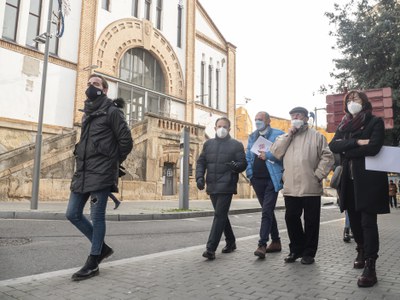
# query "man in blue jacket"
(265, 174)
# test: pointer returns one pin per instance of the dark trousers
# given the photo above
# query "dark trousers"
(303, 241)
(393, 201)
(363, 225)
(267, 197)
(221, 224)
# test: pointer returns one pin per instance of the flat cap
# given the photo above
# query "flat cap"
(299, 109)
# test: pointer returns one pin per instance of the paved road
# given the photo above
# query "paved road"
(184, 274)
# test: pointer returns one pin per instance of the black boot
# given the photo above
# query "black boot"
(346, 235)
(106, 251)
(368, 277)
(90, 269)
(359, 262)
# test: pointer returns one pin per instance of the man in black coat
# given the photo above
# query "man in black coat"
(221, 160)
(104, 144)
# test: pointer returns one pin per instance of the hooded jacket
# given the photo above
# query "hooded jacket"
(104, 144)
(214, 162)
(306, 161)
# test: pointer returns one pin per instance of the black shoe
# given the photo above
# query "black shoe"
(307, 260)
(106, 251)
(117, 203)
(229, 248)
(346, 235)
(359, 262)
(209, 254)
(291, 258)
(90, 269)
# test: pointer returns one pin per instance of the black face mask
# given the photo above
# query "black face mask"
(93, 92)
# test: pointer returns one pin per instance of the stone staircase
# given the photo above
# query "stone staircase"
(57, 165)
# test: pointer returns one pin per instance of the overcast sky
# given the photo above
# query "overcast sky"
(283, 51)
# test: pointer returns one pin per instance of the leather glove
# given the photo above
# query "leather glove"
(200, 184)
(121, 171)
(234, 165)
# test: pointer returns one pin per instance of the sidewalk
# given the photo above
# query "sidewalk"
(183, 274)
(135, 210)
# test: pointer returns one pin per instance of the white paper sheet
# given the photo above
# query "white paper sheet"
(387, 160)
(261, 144)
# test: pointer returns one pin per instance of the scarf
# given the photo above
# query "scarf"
(353, 124)
(91, 106)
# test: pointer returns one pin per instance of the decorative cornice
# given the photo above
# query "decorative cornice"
(128, 33)
(210, 42)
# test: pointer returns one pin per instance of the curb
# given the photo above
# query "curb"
(57, 216)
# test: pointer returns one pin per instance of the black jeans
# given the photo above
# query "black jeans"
(221, 224)
(303, 241)
(363, 225)
(267, 197)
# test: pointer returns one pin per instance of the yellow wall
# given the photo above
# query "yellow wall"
(244, 126)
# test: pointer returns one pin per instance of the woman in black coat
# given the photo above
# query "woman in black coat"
(363, 193)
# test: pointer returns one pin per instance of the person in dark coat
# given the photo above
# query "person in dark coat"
(104, 144)
(363, 193)
(221, 161)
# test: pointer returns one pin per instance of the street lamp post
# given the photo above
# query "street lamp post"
(38, 144)
(315, 114)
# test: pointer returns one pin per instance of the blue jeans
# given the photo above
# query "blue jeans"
(221, 224)
(95, 230)
(267, 197)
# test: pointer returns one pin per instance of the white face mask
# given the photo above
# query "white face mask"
(297, 123)
(354, 107)
(222, 132)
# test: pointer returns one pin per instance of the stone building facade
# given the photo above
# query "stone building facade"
(167, 59)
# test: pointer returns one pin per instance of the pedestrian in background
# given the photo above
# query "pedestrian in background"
(220, 162)
(363, 193)
(104, 144)
(392, 194)
(265, 174)
(307, 160)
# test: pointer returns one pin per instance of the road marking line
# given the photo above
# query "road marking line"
(49, 275)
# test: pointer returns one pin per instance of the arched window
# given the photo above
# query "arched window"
(140, 68)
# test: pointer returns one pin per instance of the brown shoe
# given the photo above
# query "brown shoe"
(368, 277)
(275, 246)
(261, 250)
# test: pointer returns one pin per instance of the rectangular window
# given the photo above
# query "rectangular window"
(147, 9)
(202, 79)
(135, 8)
(210, 73)
(105, 4)
(159, 13)
(11, 20)
(33, 22)
(179, 34)
(217, 81)
(53, 47)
